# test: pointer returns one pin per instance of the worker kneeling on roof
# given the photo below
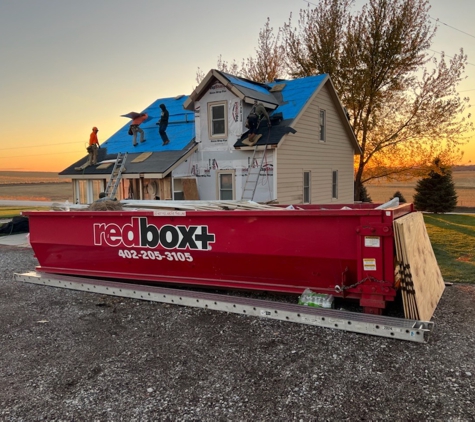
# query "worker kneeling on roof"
(257, 113)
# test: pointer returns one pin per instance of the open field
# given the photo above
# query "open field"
(35, 186)
(14, 177)
(464, 185)
(56, 191)
(49, 187)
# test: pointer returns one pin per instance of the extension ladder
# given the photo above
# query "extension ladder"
(116, 176)
(253, 174)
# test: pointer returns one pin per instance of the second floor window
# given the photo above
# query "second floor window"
(323, 125)
(217, 120)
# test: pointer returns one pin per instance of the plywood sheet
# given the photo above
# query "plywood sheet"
(423, 275)
(400, 269)
(407, 285)
(104, 166)
(254, 140)
(142, 157)
(190, 189)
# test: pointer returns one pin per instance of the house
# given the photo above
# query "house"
(306, 156)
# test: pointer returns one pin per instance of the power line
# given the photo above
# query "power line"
(39, 146)
(450, 57)
(37, 155)
(456, 29)
(434, 19)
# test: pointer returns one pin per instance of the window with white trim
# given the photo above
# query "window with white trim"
(226, 185)
(306, 187)
(217, 120)
(323, 125)
(335, 184)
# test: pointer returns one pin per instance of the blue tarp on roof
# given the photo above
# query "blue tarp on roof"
(296, 93)
(180, 131)
(246, 84)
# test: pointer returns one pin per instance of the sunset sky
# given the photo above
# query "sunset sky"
(69, 65)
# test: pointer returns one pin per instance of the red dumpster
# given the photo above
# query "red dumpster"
(348, 253)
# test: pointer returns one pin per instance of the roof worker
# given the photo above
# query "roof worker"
(162, 124)
(258, 112)
(91, 149)
(135, 128)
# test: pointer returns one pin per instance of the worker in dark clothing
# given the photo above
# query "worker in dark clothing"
(257, 113)
(162, 124)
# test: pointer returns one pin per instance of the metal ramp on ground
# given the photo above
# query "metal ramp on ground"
(377, 325)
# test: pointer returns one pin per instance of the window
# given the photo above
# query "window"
(98, 187)
(87, 191)
(226, 185)
(81, 192)
(178, 194)
(335, 184)
(306, 187)
(217, 118)
(322, 125)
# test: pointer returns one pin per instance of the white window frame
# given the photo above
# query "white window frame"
(307, 188)
(323, 126)
(218, 183)
(212, 135)
(334, 184)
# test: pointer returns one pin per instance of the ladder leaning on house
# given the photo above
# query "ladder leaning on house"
(253, 174)
(116, 176)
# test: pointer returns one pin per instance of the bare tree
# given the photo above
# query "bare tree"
(268, 63)
(403, 103)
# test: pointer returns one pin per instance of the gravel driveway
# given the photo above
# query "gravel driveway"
(75, 356)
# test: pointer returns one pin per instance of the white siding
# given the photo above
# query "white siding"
(303, 151)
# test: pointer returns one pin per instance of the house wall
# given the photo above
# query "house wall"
(216, 156)
(206, 166)
(303, 151)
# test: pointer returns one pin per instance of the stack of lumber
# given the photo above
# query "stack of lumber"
(198, 205)
(422, 284)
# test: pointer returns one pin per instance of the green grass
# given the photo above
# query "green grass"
(453, 240)
(6, 212)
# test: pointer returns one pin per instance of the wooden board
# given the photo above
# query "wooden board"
(254, 141)
(400, 269)
(190, 189)
(142, 157)
(413, 311)
(165, 189)
(423, 277)
(104, 166)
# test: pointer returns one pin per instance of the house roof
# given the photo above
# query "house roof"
(180, 131)
(285, 98)
(157, 163)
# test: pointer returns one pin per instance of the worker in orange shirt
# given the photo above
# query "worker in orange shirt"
(91, 149)
(135, 128)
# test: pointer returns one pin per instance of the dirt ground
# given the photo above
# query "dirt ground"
(76, 356)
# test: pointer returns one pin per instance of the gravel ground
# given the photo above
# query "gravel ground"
(75, 356)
